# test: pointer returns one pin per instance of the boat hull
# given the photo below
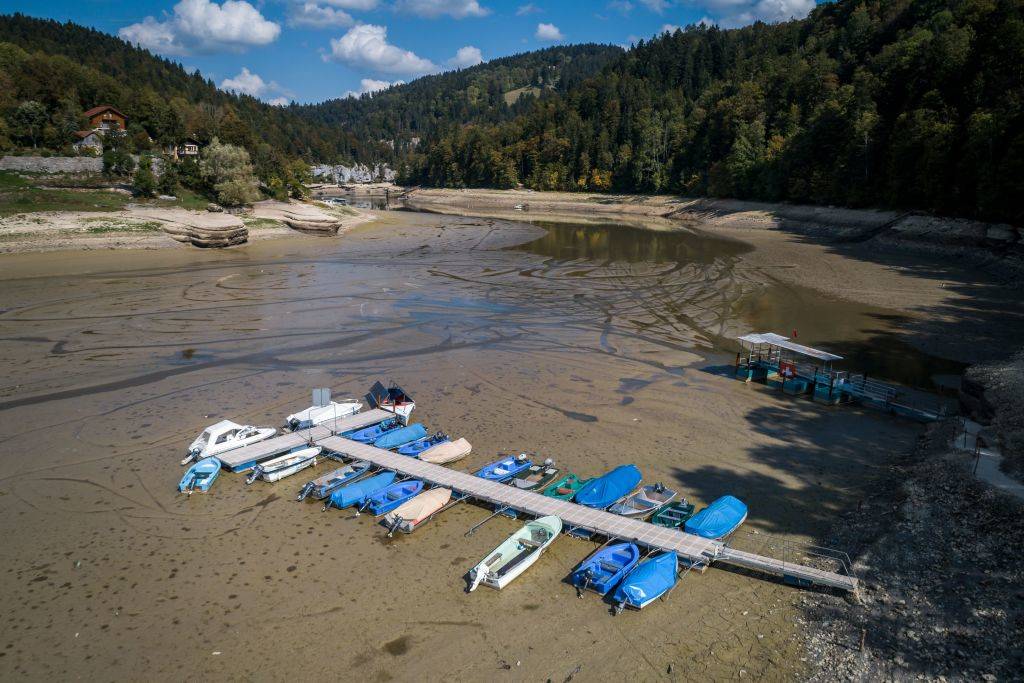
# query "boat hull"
(603, 570)
(503, 470)
(648, 581)
(604, 490)
(418, 511)
(519, 552)
(719, 519)
(200, 476)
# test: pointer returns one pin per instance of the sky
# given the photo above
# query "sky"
(315, 50)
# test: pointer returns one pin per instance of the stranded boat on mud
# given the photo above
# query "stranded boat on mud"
(504, 469)
(643, 502)
(285, 465)
(200, 476)
(324, 485)
(414, 513)
(647, 582)
(719, 519)
(447, 452)
(314, 415)
(223, 437)
(603, 570)
(517, 554)
(537, 476)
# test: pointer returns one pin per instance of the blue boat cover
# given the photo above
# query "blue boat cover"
(373, 432)
(357, 493)
(414, 448)
(397, 437)
(608, 488)
(718, 519)
(648, 581)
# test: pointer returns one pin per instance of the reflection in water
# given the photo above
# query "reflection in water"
(376, 202)
(608, 243)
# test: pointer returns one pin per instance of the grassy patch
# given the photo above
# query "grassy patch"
(104, 226)
(18, 196)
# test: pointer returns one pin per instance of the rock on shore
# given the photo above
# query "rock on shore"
(302, 217)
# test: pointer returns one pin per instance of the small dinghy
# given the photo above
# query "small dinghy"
(444, 453)
(643, 502)
(673, 515)
(285, 465)
(416, 447)
(357, 493)
(604, 490)
(200, 476)
(603, 570)
(371, 434)
(536, 476)
(515, 555)
(565, 488)
(408, 516)
(223, 437)
(504, 469)
(400, 437)
(323, 486)
(719, 519)
(647, 582)
(314, 415)
(393, 496)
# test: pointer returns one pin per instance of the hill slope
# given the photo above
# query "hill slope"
(905, 103)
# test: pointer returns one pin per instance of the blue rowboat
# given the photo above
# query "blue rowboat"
(608, 488)
(371, 434)
(400, 437)
(391, 497)
(414, 448)
(200, 476)
(604, 569)
(504, 469)
(647, 582)
(719, 519)
(357, 493)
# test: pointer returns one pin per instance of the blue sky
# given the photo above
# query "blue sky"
(312, 50)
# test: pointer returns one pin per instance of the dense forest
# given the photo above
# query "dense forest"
(904, 103)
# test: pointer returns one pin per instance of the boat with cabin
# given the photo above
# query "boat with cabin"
(314, 415)
(223, 437)
(517, 554)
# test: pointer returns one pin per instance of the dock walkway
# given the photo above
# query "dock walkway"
(696, 550)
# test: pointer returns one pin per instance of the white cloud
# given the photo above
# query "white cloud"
(549, 32)
(249, 83)
(622, 6)
(371, 85)
(366, 46)
(246, 83)
(312, 15)
(528, 8)
(203, 26)
(656, 6)
(669, 28)
(459, 9)
(358, 5)
(733, 13)
(466, 56)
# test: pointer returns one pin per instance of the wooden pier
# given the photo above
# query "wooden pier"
(699, 552)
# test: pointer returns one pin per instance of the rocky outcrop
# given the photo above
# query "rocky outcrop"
(357, 173)
(208, 230)
(302, 217)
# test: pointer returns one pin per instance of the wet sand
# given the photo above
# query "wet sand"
(577, 347)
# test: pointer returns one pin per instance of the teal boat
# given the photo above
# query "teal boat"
(565, 488)
(673, 515)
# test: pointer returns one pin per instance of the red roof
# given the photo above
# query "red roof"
(102, 108)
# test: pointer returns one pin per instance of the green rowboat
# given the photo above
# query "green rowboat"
(565, 488)
(673, 515)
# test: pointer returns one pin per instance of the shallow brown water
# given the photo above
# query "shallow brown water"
(584, 347)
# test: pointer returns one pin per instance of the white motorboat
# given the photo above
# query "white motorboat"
(517, 554)
(285, 465)
(314, 415)
(223, 437)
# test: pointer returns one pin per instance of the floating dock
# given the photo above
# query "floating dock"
(699, 552)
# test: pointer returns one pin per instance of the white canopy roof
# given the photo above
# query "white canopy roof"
(778, 340)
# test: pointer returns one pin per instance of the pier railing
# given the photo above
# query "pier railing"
(790, 559)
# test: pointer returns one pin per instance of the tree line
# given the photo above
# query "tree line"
(916, 104)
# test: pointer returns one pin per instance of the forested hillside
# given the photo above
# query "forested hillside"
(904, 103)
